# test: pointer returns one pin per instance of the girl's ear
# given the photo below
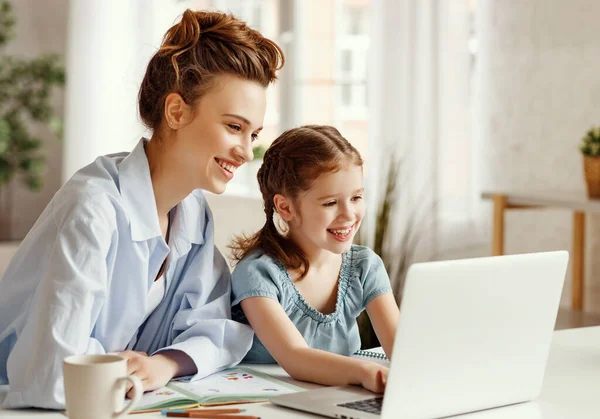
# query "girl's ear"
(284, 207)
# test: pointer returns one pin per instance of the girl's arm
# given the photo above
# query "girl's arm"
(285, 343)
(384, 314)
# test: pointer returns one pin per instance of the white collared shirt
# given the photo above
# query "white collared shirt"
(78, 284)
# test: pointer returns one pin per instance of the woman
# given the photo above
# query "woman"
(123, 258)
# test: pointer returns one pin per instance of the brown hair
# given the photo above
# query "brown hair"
(194, 51)
(291, 165)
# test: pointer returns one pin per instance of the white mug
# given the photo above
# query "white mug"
(95, 386)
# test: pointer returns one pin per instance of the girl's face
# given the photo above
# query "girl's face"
(218, 138)
(329, 214)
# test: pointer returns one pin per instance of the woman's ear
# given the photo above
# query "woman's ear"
(284, 207)
(177, 112)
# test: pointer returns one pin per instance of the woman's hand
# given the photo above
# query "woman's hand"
(374, 377)
(154, 371)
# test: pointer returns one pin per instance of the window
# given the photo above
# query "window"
(352, 47)
(332, 66)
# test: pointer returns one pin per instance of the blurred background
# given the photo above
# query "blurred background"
(445, 99)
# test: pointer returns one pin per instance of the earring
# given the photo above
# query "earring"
(282, 226)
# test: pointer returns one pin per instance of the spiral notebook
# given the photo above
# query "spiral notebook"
(376, 355)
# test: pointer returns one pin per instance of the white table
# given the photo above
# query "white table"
(571, 386)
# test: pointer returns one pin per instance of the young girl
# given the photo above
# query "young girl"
(299, 282)
(123, 258)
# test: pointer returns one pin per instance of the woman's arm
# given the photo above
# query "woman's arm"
(157, 370)
(285, 343)
(63, 309)
(384, 314)
(206, 340)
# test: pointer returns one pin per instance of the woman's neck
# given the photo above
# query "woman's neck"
(168, 184)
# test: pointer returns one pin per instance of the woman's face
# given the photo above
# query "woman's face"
(222, 126)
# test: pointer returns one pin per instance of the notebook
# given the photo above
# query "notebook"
(375, 355)
(239, 384)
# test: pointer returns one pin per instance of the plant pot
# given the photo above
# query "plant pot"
(591, 169)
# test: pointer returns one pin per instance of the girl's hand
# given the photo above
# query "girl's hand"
(374, 377)
(154, 372)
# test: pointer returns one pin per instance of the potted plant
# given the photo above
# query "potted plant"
(590, 148)
(25, 104)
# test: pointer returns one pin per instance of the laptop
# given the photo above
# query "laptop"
(473, 334)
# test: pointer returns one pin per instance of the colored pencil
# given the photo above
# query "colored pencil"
(204, 411)
(207, 415)
(232, 403)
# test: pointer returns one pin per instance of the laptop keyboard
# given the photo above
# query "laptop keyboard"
(367, 405)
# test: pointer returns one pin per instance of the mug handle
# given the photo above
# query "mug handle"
(137, 394)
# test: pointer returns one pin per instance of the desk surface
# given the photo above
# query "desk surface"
(574, 201)
(571, 386)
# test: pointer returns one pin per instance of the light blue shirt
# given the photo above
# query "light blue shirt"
(362, 277)
(78, 283)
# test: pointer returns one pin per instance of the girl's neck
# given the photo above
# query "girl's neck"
(324, 260)
(317, 257)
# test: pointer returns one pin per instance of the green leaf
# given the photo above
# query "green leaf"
(4, 136)
(33, 166)
(34, 182)
(6, 171)
(28, 144)
(590, 143)
(259, 151)
(7, 22)
(56, 126)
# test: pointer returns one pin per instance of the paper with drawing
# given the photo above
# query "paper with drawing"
(235, 384)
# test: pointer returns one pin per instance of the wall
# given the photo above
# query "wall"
(234, 215)
(538, 92)
(41, 29)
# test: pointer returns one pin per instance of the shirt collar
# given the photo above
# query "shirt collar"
(190, 221)
(136, 189)
(191, 216)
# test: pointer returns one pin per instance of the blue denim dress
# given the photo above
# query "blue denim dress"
(362, 278)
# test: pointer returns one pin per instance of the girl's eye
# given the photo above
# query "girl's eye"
(357, 198)
(254, 137)
(329, 204)
(234, 127)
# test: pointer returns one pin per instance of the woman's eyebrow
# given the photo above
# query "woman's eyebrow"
(241, 118)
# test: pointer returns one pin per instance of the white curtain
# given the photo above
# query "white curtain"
(419, 103)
